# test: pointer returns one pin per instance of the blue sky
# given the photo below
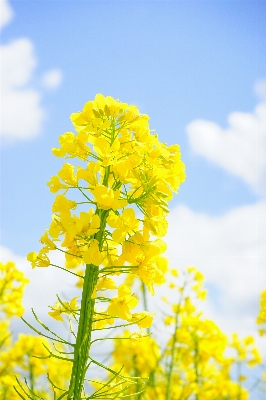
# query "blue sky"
(178, 61)
(187, 64)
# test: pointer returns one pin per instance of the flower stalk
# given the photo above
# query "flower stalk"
(82, 345)
(127, 170)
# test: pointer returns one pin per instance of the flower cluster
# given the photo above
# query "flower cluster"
(127, 171)
(29, 356)
(194, 359)
(261, 320)
(198, 359)
(12, 284)
(109, 217)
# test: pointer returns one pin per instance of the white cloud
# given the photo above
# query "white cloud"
(260, 88)
(22, 113)
(6, 13)
(52, 79)
(230, 251)
(240, 149)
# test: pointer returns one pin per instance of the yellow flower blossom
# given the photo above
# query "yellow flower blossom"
(47, 242)
(73, 146)
(90, 174)
(12, 284)
(104, 283)
(107, 199)
(38, 260)
(136, 337)
(144, 319)
(261, 319)
(126, 168)
(125, 224)
(101, 319)
(55, 184)
(174, 272)
(63, 308)
(62, 204)
(67, 175)
(106, 151)
(93, 254)
(120, 306)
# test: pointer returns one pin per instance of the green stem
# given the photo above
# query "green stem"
(196, 363)
(144, 293)
(171, 367)
(170, 373)
(83, 342)
(145, 302)
(31, 376)
(239, 380)
(137, 373)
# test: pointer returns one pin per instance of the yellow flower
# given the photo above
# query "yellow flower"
(107, 199)
(55, 184)
(89, 174)
(136, 337)
(101, 319)
(261, 319)
(108, 152)
(62, 204)
(67, 175)
(88, 223)
(73, 145)
(93, 254)
(144, 319)
(126, 223)
(174, 272)
(150, 274)
(12, 284)
(38, 260)
(55, 228)
(63, 308)
(48, 242)
(56, 313)
(120, 306)
(104, 283)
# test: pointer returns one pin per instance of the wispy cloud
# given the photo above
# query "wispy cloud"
(52, 79)
(230, 251)
(6, 13)
(240, 149)
(22, 112)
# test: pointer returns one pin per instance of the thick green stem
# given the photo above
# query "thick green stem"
(83, 341)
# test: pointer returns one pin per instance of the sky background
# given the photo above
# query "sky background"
(198, 69)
